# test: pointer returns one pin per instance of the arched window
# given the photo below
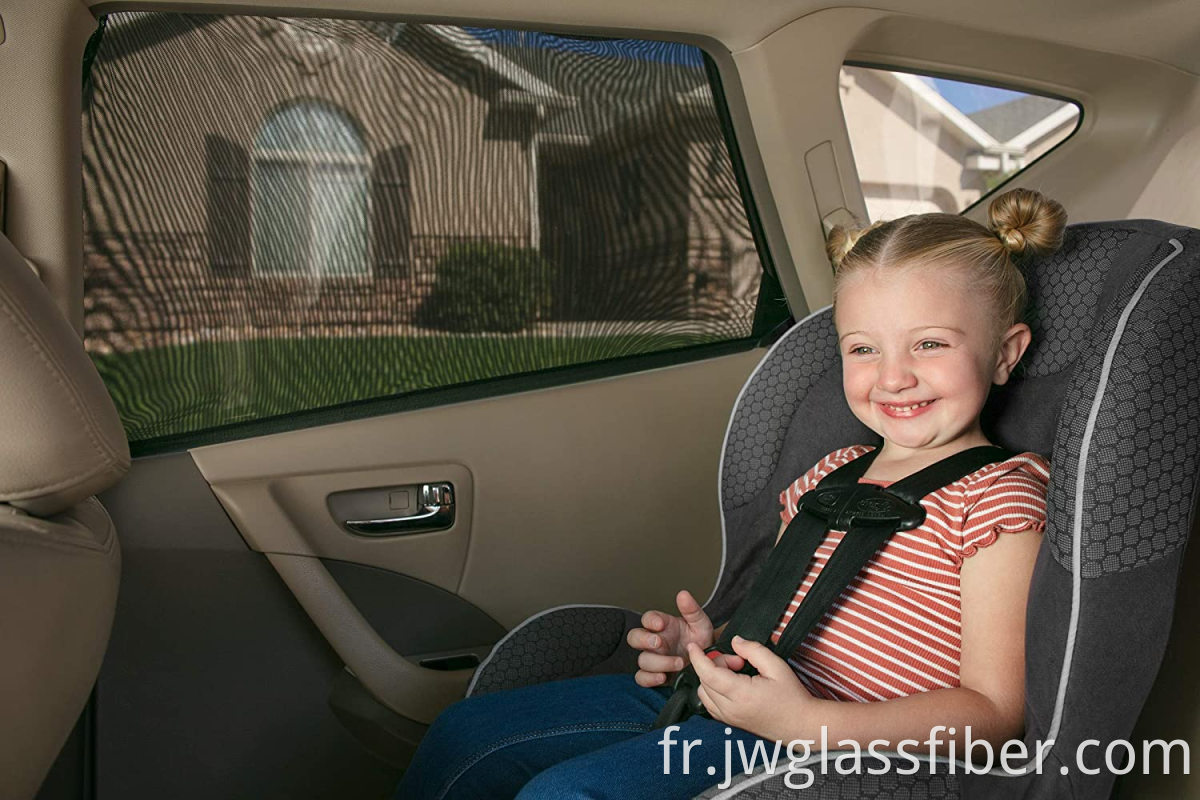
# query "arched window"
(309, 194)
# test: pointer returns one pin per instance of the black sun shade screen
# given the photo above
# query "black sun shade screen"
(292, 214)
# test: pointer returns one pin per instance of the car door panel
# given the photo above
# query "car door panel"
(252, 623)
(570, 485)
(215, 682)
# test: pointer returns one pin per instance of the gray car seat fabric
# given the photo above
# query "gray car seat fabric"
(60, 442)
(1108, 391)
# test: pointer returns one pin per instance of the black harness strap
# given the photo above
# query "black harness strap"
(869, 514)
(774, 587)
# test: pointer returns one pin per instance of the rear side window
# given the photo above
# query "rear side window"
(925, 144)
(284, 215)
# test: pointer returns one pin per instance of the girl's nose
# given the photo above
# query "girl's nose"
(895, 375)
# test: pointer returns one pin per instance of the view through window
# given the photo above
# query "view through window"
(926, 144)
(292, 214)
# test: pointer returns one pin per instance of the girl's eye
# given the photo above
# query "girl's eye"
(930, 345)
(861, 350)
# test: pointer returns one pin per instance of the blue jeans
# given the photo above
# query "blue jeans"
(581, 738)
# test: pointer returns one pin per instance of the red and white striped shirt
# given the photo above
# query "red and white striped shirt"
(896, 630)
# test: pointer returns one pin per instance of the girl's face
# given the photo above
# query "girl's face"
(919, 354)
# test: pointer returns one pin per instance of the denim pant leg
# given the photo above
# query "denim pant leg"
(675, 763)
(490, 746)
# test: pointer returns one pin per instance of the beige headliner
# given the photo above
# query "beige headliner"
(1159, 30)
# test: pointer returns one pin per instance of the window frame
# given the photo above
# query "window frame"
(941, 73)
(771, 316)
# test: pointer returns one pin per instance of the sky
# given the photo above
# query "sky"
(966, 97)
(971, 97)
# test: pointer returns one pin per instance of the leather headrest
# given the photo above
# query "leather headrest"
(60, 437)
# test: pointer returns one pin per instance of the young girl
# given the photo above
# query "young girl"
(931, 633)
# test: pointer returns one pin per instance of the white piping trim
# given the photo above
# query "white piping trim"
(725, 443)
(1077, 522)
(1076, 544)
(526, 621)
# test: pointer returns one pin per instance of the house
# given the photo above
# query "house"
(281, 192)
(915, 152)
(303, 177)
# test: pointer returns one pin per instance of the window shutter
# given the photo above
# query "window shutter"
(228, 176)
(390, 200)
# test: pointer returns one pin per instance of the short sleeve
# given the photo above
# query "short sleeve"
(791, 495)
(1008, 499)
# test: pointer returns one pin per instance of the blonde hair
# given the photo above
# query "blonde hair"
(1020, 221)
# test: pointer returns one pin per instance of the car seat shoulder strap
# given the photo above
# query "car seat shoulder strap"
(870, 515)
(775, 584)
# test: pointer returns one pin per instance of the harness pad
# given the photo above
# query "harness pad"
(844, 507)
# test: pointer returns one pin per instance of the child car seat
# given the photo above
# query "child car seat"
(1107, 390)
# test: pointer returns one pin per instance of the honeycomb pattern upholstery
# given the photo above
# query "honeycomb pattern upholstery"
(1143, 461)
(1062, 301)
(1109, 384)
(768, 402)
(560, 643)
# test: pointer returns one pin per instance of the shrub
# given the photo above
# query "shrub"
(481, 286)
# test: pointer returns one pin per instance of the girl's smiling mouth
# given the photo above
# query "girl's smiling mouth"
(906, 410)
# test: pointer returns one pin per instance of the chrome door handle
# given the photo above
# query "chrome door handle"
(436, 513)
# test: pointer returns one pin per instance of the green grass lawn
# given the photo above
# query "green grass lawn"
(166, 391)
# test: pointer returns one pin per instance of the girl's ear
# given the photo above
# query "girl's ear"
(1013, 343)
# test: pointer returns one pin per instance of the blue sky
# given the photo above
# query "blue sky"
(642, 50)
(966, 97)
(969, 97)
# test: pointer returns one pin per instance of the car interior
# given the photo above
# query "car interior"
(361, 357)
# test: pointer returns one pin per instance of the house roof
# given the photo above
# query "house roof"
(612, 88)
(497, 62)
(956, 121)
(130, 32)
(1006, 120)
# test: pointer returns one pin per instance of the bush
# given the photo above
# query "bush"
(481, 286)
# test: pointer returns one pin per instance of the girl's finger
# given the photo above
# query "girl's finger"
(718, 679)
(649, 679)
(730, 661)
(642, 639)
(687, 605)
(655, 662)
(761, 658)
(654, 621)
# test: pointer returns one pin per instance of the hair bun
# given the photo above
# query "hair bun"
(841, 241)
(1027, 221)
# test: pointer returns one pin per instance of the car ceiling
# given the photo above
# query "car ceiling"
(1165, 31)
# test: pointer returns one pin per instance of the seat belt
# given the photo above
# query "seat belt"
(869, 514)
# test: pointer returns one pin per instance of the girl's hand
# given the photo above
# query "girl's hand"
(664, 639)
(768, 704)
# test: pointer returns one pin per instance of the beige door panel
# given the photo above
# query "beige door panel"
(603, 491)
(597, 492)
(289, 514)
(412, 691)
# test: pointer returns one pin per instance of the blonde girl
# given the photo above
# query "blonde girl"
(928, 310)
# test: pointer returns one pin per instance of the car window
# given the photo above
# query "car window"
(925, 144)
(284, 215)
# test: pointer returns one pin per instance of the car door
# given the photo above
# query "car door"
(416, 330)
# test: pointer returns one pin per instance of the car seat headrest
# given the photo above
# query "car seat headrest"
(61, 440)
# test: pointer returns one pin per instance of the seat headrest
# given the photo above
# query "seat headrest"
(60, 437)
